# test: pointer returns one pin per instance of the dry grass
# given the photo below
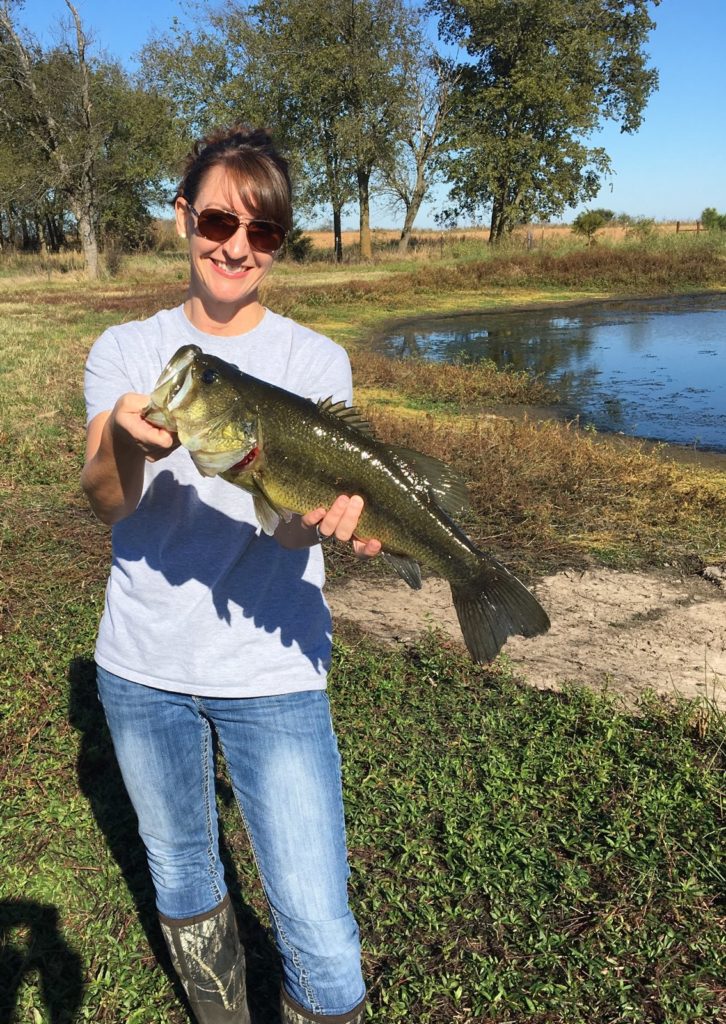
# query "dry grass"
(540, 234)
(464, 385)
(549, 495)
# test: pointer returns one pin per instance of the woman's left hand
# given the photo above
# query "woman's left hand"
(340, 522)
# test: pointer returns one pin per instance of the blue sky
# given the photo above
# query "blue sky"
(670, 170)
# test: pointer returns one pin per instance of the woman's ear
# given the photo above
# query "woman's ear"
(181, 211)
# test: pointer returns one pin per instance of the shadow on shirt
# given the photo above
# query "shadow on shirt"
(182, 537)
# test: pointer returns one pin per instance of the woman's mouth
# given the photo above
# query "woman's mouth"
(229, 269)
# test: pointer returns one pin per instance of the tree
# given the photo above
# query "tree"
(540, 78)
(712, 220)
(408, 178)
(329, 77)
(590, 221)
(65, 136)
(80, 137)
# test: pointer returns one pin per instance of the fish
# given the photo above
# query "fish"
(293, 454)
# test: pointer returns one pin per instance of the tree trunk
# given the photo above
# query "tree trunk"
(337, 233)
(366, 245)
(494, 222)
(412, 209)
(89, 240)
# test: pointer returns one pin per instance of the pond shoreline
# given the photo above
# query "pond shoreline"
(681, 302)
(396, 323)
(684, 455)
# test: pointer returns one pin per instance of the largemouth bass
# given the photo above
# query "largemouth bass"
(294, 455)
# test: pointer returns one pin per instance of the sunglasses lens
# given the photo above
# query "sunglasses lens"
(216, 225)
(265, 236)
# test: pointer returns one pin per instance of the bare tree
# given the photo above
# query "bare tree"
(61, 126)
(408, 179)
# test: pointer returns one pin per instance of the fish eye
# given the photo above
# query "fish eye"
(209, 376)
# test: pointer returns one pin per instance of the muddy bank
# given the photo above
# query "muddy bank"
(621, 631)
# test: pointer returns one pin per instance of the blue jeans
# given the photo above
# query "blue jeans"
(284, 765)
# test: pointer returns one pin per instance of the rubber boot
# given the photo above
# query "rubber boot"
(210, 962)
(292, 1013)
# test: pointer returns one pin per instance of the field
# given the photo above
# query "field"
(516, 855)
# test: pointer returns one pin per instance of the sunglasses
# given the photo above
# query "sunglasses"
(220, 225)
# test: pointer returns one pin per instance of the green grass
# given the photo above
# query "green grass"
(517, 856)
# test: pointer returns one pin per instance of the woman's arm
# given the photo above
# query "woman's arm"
(339, 521)
(117, 445)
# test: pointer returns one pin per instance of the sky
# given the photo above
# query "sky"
(671, 169)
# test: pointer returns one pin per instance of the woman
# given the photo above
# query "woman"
(211, 625)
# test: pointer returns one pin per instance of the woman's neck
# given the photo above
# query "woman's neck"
(221, 320)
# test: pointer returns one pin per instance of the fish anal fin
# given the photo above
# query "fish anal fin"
(407, 568)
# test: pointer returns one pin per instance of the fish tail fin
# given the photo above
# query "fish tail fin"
(494, 605)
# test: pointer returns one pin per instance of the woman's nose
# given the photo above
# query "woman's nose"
(238, 245)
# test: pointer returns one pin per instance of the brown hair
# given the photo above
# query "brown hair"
(254, 165)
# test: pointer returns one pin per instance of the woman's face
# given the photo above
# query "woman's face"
(225, 275)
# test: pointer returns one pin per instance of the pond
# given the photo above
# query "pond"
(651, 368)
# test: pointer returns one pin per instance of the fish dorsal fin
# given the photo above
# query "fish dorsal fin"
(447, 487)
(348, 413)
(407, 568)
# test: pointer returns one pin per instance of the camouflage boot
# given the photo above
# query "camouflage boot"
(292, 1013)
(210, 962)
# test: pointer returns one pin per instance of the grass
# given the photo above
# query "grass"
(517, 856)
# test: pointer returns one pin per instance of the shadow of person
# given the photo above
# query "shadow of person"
(31, 941)
(189, 542)
(100, 781)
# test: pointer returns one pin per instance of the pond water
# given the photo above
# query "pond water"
(649, 368)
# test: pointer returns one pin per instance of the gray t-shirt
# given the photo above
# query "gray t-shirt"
(199, 600)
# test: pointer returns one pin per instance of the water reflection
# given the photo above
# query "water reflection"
(651, 368)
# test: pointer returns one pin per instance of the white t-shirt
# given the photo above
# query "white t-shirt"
(199, 600)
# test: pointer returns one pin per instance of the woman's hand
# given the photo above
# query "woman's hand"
(117, 444)
(340, 522)
(128, 427)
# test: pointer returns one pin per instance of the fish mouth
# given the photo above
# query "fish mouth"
(172, 387)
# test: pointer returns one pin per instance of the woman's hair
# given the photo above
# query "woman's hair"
(254, 165)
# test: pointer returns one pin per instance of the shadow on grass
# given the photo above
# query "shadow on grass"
(100, 781)
(30, 940)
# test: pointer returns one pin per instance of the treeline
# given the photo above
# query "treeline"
(500, 107)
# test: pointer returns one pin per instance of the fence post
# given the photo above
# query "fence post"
(678, 226)
(698, 227)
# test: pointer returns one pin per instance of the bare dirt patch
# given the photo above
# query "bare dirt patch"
(622, 631)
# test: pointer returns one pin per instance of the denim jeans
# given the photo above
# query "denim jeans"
(284, 765)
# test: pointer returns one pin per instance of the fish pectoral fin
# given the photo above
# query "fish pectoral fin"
(268, 513)
(407, 568)
(214, 463)
(447, 487)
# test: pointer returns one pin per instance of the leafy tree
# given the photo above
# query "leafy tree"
(329, 77)
(712, 220)
(540, 78)
(590, 221)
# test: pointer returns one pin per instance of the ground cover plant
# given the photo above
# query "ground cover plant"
(516, 855)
